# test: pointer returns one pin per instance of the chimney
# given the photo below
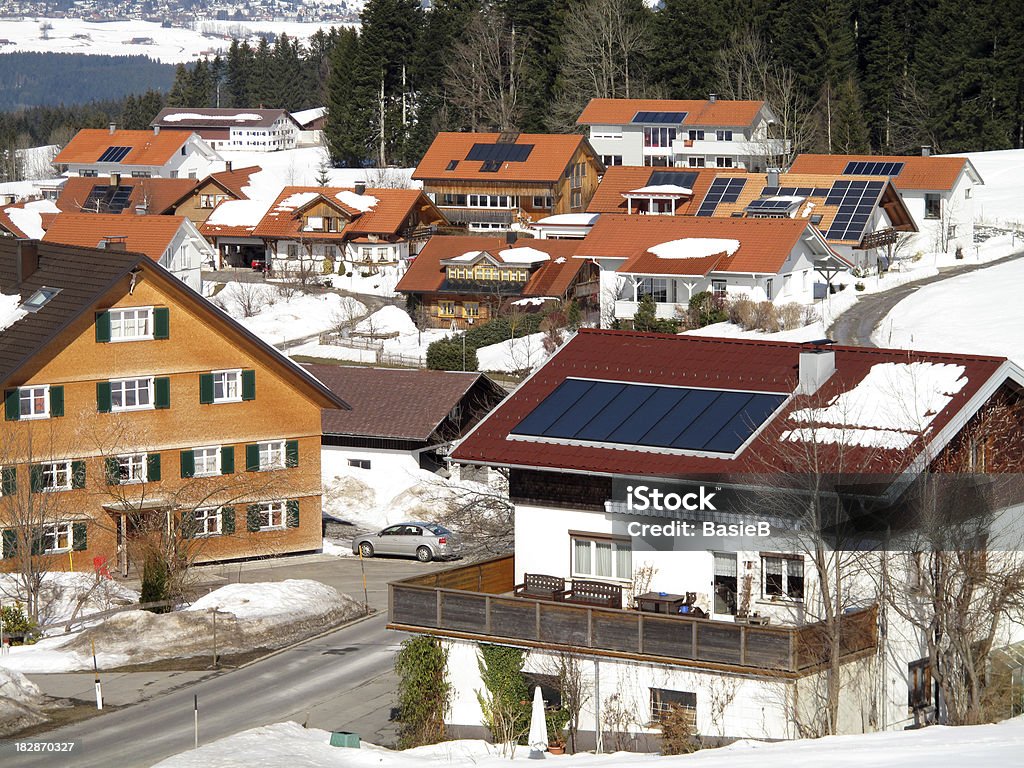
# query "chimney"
(115, 179)
(510, 238)
(156, 130)
(115, 243)
(113, 127)
(28, 258)
(712, 97)
(773, 177)
(926, 150)
(360, 187)
(817, 364)
(142, 209)
(227, 166)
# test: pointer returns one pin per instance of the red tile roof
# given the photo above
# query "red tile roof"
(159, 195)
(720, 112)
(703, 362)
(546, 162)
(918, 172)
(620, 179)
(144, 234)
(147, 148)
(234, 180)
(552, 278)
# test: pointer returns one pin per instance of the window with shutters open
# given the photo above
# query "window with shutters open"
(57, 538)
(55, 476)
(207, 461)
(207, 521)
(227, 386)
(132, 468)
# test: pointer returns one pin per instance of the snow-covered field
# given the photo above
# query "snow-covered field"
(67, 594)
(999, 200)
(980, 313)
(301, 166)
(289, 744)
(170, 45)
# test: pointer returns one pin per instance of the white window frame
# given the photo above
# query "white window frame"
(203, 516)
(33, 393)
(134, 466)
(121, 385)
(272, 509)
(120, 317)
(269, 449)
(206, 450)
(783, 563)
(719, 288)
(231, 378)
(54, 533)
(617, 545)
(54, 470)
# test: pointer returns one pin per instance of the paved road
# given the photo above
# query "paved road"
(856, 324)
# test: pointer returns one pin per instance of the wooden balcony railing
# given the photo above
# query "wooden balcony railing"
(474, 602)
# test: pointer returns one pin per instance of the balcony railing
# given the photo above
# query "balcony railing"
(665, 310)
(475, 602)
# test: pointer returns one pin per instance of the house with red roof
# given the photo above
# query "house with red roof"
(672, 258)
(938, 192)
(670, 599)
(458, 281)
(493, 181)
(137, 154)
(689, 133)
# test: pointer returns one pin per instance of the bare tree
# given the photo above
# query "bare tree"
(481, 513)
(485, 75)
(913, 121)
(573, 686)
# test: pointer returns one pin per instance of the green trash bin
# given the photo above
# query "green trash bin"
(345, 739)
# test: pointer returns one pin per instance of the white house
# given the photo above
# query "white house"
(691, 133)
(253, 130)
(311, 123)
(138, 154)
(939, 192)
(726, 624)
(672, 258)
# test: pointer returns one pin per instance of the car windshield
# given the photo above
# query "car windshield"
(438, 530)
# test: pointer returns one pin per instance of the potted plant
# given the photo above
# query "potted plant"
(556, 719)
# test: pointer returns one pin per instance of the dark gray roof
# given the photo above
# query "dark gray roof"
(218, 118)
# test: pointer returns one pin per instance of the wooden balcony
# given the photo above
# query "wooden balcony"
(475, 602)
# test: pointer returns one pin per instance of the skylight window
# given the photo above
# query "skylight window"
(39, 299)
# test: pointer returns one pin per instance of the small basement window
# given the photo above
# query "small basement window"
(359, 463)
(39, 299)
(663, 701)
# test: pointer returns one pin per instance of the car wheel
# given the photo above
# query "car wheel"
(424, 555)
(366, 549)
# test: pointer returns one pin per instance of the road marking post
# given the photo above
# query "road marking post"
(366, 600)
(195, 710)
(96, 673)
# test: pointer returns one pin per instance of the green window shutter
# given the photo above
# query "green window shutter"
(113, 471)
(248, 385)
(291, 514)
(205, 388)
(162, 392)
(152, 467)
(291, 453)
(188, 524)
(8, 481)
(103, 396)
(252, 517)
(102, 326)
(227, 520)
(188, 464)
(57, 401)
(79, 537)
(252, 457)
(78, 474)
(227, 460)
(10, 539)
(161, 323)
(36, 478)
(12, 405)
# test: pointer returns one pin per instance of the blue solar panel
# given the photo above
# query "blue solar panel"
(678, 178)
(772, 206)
(114, 154)
(873, 168)
(500, 153)
(651, 416)
(726, 190)
(855, 200)
(666, 118)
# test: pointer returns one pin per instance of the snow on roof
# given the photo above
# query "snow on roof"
(807, 209)
(694, 248)
(238, 117)
(239, 213)
(523, 255)
(359, 202)
(569, 219)
(661, 189)
(10, 310)
(296, 200)
(467, 256)
(560, 260)
(533, 301)
(891, 406)
(304, 116)
(787, 198)
(27, 218)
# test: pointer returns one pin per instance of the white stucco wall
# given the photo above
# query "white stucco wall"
(397, 468)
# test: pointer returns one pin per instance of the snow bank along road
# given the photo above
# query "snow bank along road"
(333, 682)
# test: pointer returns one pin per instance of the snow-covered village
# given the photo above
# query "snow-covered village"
(466, 382)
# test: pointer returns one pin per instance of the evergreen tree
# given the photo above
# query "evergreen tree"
(237, 75)
(181, 90)
(345, 131)
(541, 22)
(262, 90)
(849, 128)
(700, 28)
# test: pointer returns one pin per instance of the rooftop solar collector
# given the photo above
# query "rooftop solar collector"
(500, 153)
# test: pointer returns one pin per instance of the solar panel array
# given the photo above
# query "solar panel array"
(106, 199)
(721, 191)
(769, 205)
(856, 201)
(649, 416)
(872, 168)
(679, 178)
(795, 191)
(500, 153)
(114, 154)
(666, 118)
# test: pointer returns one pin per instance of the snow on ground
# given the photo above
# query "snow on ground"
(382, 283)
(998, 201)
(254, 616)
(280, 320)
(28, 218)
(513, 355)
(694, 248)
(979, 312)
(810, 332)
(66, 594)
(289, 744)
(388, 319)
(21, 702)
